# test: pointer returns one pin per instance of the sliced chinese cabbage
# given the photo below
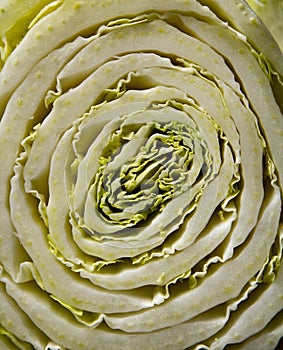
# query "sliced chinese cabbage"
(141, 175)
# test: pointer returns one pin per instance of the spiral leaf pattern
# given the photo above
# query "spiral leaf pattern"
(141, 176)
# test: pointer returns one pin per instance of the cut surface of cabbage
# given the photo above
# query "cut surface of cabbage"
(141, 175)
